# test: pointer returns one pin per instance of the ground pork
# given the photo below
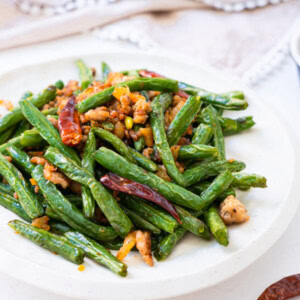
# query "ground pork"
(233, 211)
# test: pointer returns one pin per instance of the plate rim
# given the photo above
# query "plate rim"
(193, 285)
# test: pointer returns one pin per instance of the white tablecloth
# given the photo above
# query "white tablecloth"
(281, 260)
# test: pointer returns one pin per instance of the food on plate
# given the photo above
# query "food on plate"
(131, 161)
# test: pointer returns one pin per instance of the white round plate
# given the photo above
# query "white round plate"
(195, 264)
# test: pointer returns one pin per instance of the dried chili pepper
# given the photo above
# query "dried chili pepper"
(149, 74)
(69, 125)
(285, 288)
(182, 94)
(118, 183)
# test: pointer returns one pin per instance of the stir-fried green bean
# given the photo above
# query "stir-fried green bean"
(105, 68)
(85, 74)
(152, 214)
(140, 222)
(202, 134)
(117, 143)
(211, 118)
(27, 198)
(96, 252)
(245, 180)
(183, 119)
(88, 163)
(48, 241)
(143, 161)
(216, 225)
(161, 143)
(16, 115)
(168, 243)
(205, 170)
(196, 152)
(13, 205)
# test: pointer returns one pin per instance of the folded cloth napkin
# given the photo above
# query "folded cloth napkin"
(43, 29)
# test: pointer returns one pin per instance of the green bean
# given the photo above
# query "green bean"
(108, 204)
(119, 165)
(245, 181)
(22, 127)
(205, 170)
(5, 136)
(59, 84)
(143, 161)
(105, 68)
(15, 116)
(68, 212)
(168, 243)
(195, 152)
(59, 227)
(218, 186)
(117, 143)
(50, 111)
(13, 205)
(50, 212)
(31, 138)
(139, 144)
(165, 100)
(88, 163)
(48, 241)
(211, 118)
(27, 94)
(21, 159)
(202, 134)
(216, 225)
(27, 198)
(183, 119)
(135, 85)
(6, 189)
(140, 222)
(161, 143)
(46, 129)
(192, 224)
(85, 74)
(74, 199)
(157, 217)
(231, 126)
(12, 142)
(234, 100)
(97, 252)
(198, 188)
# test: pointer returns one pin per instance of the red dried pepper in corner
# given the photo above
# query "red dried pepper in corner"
(286, 288)
(69, 124)
(124, 185)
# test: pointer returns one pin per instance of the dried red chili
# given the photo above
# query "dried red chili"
(285, 288)
(149, 74)
(69, 124)
(118, 183)
(182, 94)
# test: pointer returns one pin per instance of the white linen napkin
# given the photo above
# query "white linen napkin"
(43, 29)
